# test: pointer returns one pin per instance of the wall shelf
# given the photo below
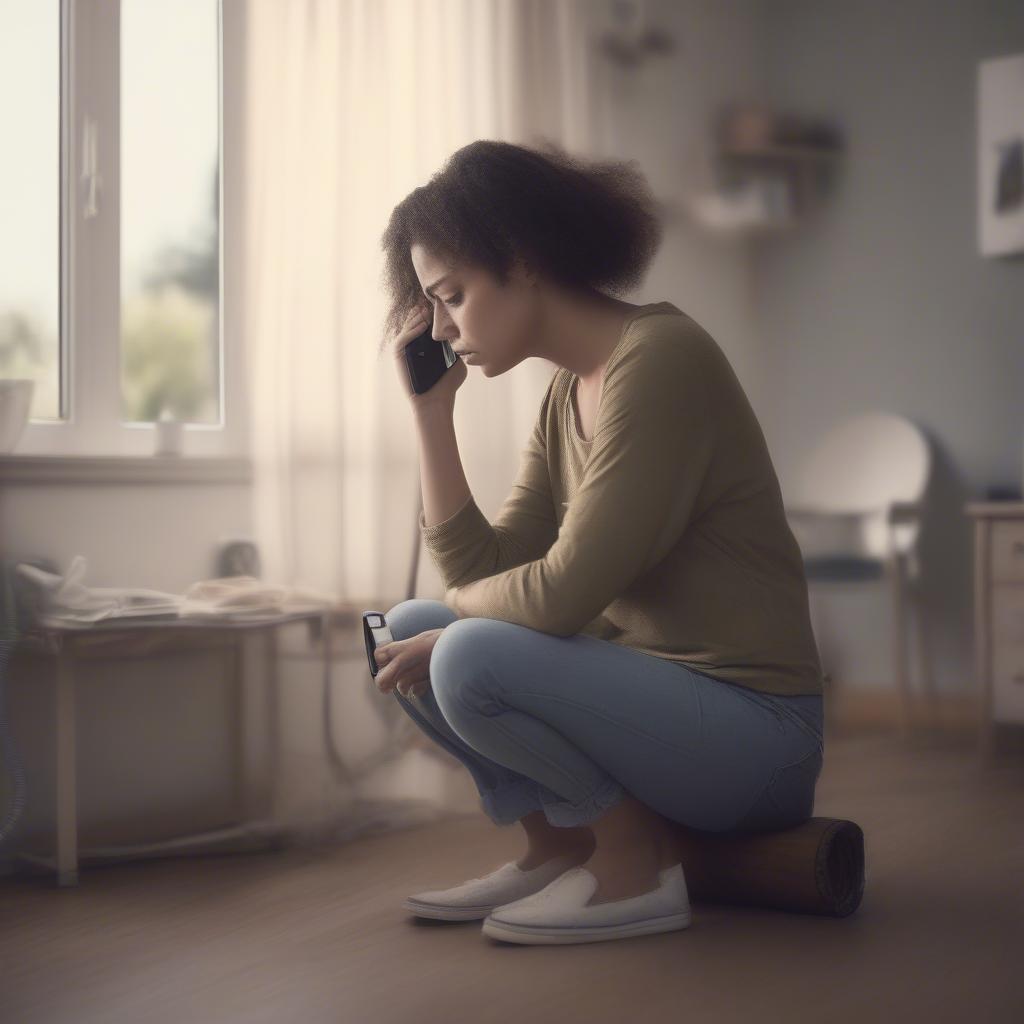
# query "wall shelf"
(784, 153)
(764, 190)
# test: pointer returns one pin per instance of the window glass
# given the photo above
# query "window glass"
(170, 183)
(30, 199)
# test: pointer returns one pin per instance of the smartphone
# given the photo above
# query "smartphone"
(428, 360)
(376, 633)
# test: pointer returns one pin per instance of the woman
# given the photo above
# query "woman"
(628, 647)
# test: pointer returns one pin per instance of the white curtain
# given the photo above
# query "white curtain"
(350, 105)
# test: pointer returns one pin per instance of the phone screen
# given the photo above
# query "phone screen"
(428, 360)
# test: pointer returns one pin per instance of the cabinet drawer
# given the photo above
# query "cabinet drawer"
(1007, 612)
(1008, 679)
(1008, 551)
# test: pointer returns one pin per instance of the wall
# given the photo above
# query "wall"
(883, 301)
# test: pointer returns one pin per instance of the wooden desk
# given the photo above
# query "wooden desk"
(139, 636)
(998, 615)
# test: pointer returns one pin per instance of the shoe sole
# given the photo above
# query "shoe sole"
(438, 912)
(532, 935)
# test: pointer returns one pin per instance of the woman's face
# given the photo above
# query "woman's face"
(478, 315)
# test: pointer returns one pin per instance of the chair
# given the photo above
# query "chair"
(856, 514)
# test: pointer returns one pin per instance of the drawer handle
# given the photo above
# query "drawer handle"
(1018, 677)
(1018, 547)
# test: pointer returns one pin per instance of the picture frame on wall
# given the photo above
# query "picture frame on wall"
(1001, 156)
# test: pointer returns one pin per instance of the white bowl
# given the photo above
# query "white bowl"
(15, 402)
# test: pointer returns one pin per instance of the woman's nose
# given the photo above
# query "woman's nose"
(442, 330)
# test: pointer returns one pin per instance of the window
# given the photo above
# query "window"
(110, 253)
(30, 200)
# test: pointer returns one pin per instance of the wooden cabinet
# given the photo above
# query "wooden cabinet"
(998, 614)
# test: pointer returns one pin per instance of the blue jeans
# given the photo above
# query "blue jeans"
(571, 725)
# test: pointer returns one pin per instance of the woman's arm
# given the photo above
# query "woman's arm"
(442, 478)
(462, 543)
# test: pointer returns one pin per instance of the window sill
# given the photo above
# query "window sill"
(124, 469)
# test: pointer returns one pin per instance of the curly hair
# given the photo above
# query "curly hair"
(585, 225)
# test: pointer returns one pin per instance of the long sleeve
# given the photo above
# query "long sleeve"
(466, 547)
(653, 444)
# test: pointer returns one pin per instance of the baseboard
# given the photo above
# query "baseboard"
(857, 708)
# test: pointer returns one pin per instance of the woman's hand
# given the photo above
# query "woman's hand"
(404, 664)
(443, 392)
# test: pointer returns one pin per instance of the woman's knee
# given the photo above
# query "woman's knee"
(463, 660)
(417, 615)
(465, 642)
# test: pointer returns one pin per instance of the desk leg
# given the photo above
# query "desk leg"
(983, 640)
(237, 716)
(67, 810)
(273, 722)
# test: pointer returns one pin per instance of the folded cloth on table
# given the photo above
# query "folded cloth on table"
(245, 597)
(53, 599)
(57, 600)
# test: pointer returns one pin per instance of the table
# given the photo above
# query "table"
(998, 615)
(137, 636)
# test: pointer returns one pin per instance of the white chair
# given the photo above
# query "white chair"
(856, 514)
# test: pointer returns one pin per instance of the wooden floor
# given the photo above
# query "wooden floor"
(308, 937)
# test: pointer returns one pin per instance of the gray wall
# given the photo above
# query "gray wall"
(883, 301)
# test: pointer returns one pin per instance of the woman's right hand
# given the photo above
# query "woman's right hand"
(404, 665)
(443, 392)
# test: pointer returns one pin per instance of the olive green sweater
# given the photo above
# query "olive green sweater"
(665, 533)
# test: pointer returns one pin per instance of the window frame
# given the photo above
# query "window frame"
(89, 315)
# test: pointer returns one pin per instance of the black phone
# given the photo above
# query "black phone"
(428, 360)
(376, 633)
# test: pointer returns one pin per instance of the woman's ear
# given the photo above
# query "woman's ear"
(524, 272)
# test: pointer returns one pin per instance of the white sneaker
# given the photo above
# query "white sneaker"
(475, 899)
(559, 912)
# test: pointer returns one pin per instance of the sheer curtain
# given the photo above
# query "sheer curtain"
(350, 104)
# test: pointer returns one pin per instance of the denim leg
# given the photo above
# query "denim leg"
(466, 670)
(505, 795)
(572, 724)
(591, 721)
